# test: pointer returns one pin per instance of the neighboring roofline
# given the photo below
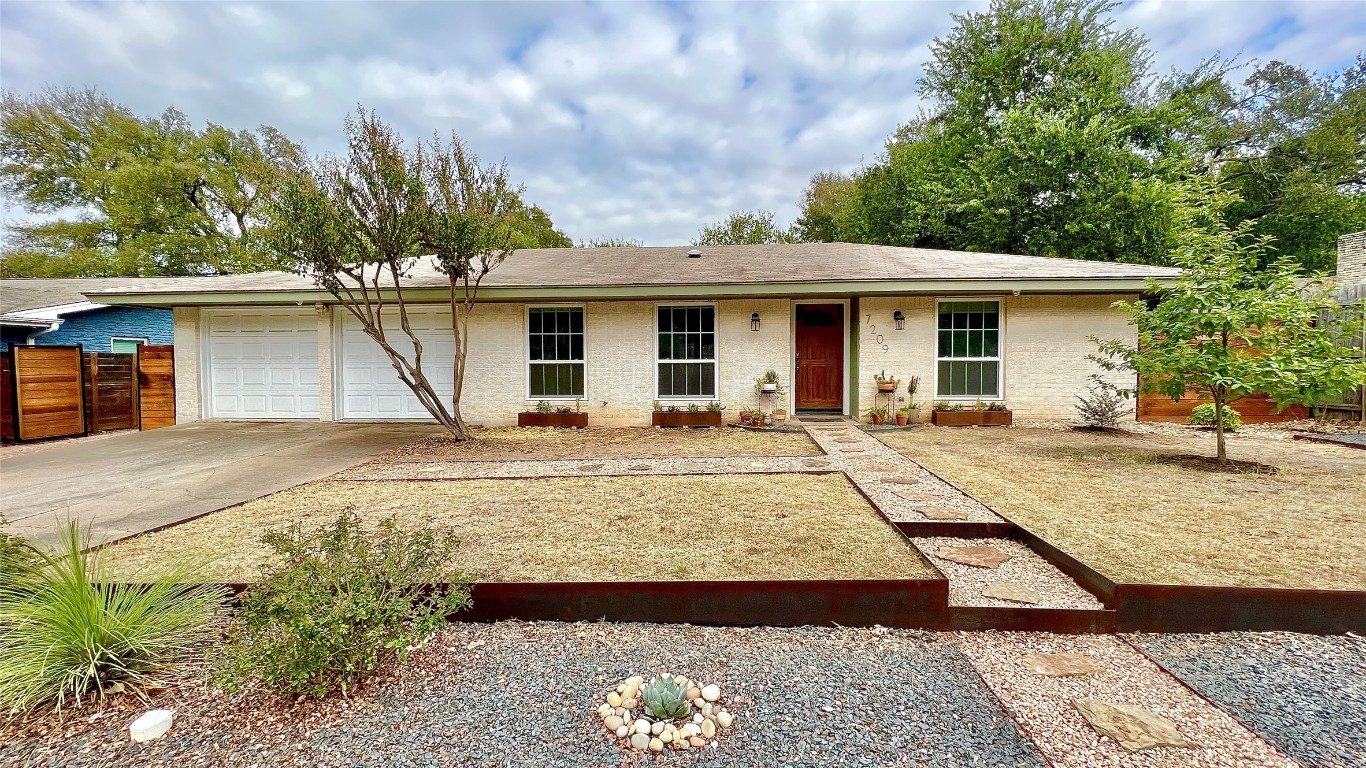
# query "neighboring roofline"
(20, 321)
(46, 315)
(622, 292)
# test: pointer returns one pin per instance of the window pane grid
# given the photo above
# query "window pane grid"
(555, 350)
(686, 350)
(968, 349)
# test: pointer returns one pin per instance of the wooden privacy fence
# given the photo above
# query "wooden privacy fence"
(1254, 409)
(61, 391)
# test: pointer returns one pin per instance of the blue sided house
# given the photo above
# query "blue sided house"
(42, 312)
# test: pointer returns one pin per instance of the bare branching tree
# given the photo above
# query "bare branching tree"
(362, 225)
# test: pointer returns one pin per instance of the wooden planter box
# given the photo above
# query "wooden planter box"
(560, 420)
(972, 418)
(685, 419)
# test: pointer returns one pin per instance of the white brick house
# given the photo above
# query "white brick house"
(620, 328)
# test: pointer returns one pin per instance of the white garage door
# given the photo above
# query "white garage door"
(263, 364)
(370, 388)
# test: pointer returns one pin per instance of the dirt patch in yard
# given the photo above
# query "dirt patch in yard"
(577, 529)
(514, 443)
(1128, 506)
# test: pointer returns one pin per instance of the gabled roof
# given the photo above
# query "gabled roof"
(721, 270)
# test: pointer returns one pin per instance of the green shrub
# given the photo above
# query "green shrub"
(1203, 415)
(343, 602)
(66, 632)
(17, 558)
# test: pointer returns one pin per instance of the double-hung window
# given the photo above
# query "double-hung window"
(969, 350)
(555, 352)
(686, 351)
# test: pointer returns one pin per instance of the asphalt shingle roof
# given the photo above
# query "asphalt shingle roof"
(17, 295)
(719, 265)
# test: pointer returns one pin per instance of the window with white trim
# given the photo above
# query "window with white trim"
(122, 345)
(686, 351)
(555, 352)
(968, 357)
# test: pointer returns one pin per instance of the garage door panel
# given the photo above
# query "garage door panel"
(371, 388)
(264, 365)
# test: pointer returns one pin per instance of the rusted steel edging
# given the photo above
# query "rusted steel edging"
(960, 530)
(902, 603)
(1067, 621)
(1184, 608)
(907, 603)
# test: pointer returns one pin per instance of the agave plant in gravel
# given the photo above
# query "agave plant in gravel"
(68, 633)
(665, 699)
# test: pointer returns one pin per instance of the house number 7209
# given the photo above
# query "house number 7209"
(880, 341)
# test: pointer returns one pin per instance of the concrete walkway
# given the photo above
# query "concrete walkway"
(134, 482)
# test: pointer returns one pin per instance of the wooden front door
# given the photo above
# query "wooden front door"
(820, 356)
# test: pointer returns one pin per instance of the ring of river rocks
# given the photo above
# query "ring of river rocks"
(626, 719)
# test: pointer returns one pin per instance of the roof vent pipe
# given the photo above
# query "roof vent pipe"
(694, 254)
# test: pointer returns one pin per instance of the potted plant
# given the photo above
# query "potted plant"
(746, 417)
(885, 383)
(877, 414)
(903, 415)
(693, 415)
(780, 416)
(768, 384)
(562, 417)
(912, 407)
(997, 415)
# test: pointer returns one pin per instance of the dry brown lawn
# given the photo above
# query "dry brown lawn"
(571, 529)
(1128, 506)
(510, 443)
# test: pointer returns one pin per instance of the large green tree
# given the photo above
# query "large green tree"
(120, 194)
(1237, 320)
(1292, 145)
(1046, 136)
(745, 228)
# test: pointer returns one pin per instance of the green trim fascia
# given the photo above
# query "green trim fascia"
(855, 331)
(840, 289)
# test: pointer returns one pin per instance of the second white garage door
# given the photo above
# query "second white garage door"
(263, 364)
(370, 388)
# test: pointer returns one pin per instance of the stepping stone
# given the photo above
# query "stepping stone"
(1005, 590)
(940, 513)
(640, 467)
(588, 467)
(979, 555)
(815, 463)
(885, 468)
(1060, 664)
(1132, 726)
(901, 480)
(846, 440)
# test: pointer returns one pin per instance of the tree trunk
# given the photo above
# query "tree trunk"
(1220, 453)
(460, 313)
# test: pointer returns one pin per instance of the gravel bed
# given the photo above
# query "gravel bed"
(1043, 705)
(1025, 568)
(459, 470)
(1304, 693)
(517, 694)
(867, 461)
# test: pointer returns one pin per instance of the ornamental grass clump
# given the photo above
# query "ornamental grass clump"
(66, 633)
(343, 602)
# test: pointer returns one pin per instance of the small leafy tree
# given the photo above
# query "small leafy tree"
(1227, 329)
(745, 228)
(363, 225)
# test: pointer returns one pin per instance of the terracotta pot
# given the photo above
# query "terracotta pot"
(901, 419)
(877, 420)
(746, 418)
(886, 386)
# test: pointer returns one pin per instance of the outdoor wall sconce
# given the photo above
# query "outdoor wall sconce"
(754, 322)
(900, 320)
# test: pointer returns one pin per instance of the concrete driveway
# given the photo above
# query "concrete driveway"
(127, 484)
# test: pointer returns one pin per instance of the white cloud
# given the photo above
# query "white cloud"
(623, 119)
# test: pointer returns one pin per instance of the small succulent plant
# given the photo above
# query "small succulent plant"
(665, 699)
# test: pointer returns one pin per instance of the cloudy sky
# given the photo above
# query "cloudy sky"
(630, 120)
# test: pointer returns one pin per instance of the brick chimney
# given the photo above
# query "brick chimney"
(1352, 260)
